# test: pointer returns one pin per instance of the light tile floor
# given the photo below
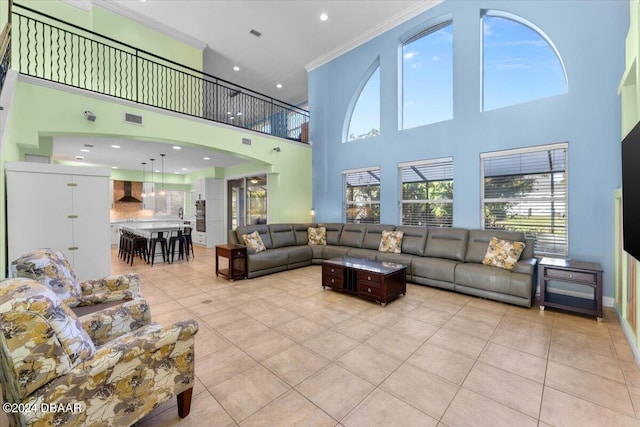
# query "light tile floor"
(281, 351)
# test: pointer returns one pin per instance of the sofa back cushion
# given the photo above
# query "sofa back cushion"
(413, 239)
(448, 243)
(282, 235)
(263, 230)
(300, 231)
(334, 230)
(352, 235)
(373, 235)
(479, 242)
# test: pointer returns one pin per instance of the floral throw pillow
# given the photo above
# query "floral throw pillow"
(317, 236)
(503, 253)
(391, 242)
(254, 241)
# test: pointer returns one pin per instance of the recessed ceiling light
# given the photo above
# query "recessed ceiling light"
(324, 17)
(115, 146)
(176, 173)
(84, 150)
(231, 118)
(79, 158)
(157, 171)
(177, 147)
(228, 113)
(279, 86)
(184, 169)
(236, 68)
(239, 113)
(114, 167)
(206, 158)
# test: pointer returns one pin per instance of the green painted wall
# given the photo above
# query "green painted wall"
(39, 112)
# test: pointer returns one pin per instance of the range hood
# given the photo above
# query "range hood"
(128, 198)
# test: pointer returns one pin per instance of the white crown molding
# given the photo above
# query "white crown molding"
(141, 19)
(80, 4)
(384, 26)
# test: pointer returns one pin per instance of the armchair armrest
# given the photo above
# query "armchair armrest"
(110, 323)
(149, 338)
(123, 282)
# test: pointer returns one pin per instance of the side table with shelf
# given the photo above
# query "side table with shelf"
(237, 257)
(588, 274)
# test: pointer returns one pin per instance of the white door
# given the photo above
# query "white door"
(91, 228)
(38, 206)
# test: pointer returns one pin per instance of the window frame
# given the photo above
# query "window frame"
(424, 30)
(520, 151)
(362, 84)
(445, 162)
(346, 203)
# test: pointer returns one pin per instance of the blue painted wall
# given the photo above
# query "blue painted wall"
(590, 37)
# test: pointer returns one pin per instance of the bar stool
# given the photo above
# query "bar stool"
(179, 238)
(138, 246)
(153, 243)
(188, 240)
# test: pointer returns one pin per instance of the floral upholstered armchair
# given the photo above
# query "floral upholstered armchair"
(51, 268)
(110, 367)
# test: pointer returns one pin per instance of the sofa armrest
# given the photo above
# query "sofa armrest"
(110, 323)
(123, 282)
(526, 266)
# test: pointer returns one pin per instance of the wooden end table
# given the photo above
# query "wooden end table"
(588, 274)
(237, 256)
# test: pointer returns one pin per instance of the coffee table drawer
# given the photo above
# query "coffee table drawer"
(369, 289)
(333, 270)
(368, 277)
(333, 281)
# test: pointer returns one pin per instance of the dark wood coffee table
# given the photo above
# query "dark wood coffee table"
(380, 281)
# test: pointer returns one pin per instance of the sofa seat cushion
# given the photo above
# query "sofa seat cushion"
(362, 253)
(268, 259)
(331, 251)
(493, 279)
(299, 254)
(434, 268)
(405, 259)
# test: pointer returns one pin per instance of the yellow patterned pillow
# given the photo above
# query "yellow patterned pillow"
(503, 253)
(254, 241)
(391, 241)
(317, 236)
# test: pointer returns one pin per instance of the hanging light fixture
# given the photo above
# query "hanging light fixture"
(162, 192)
(143, 193)
(153, 193)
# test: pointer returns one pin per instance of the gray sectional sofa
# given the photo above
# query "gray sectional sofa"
(448, 258)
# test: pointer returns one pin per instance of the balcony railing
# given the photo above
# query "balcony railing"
(5, 53)
(54, 50)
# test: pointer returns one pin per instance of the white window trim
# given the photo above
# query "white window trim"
(524, 150)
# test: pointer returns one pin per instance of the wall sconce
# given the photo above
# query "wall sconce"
(89, 116)
(277, 149)
(313, 215)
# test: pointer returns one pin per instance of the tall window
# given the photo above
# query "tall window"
(365, 115)
(519, 62)
(427, 193)
(427, 76)
(362, 195)
(526, 190)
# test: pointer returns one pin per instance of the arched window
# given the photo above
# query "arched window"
(520, 63)
(427, 76)
(364, 110)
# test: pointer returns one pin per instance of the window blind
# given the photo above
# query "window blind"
(526, 190)
(427, 193)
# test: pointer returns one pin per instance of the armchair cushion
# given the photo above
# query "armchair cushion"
(110, 323)
(51, 268)
(43, 336)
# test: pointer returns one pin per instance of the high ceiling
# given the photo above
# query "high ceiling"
(293, 36)
(294, 40)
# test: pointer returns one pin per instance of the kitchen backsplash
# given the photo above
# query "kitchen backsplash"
(128, 210)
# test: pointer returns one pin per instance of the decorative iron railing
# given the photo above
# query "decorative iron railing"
(5, 51)
(54, 50)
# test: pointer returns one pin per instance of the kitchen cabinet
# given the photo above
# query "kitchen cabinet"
(212, 191)
(60, 207)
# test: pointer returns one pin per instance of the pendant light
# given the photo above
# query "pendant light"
(153, 193)
(162, 192)
(143, 193)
